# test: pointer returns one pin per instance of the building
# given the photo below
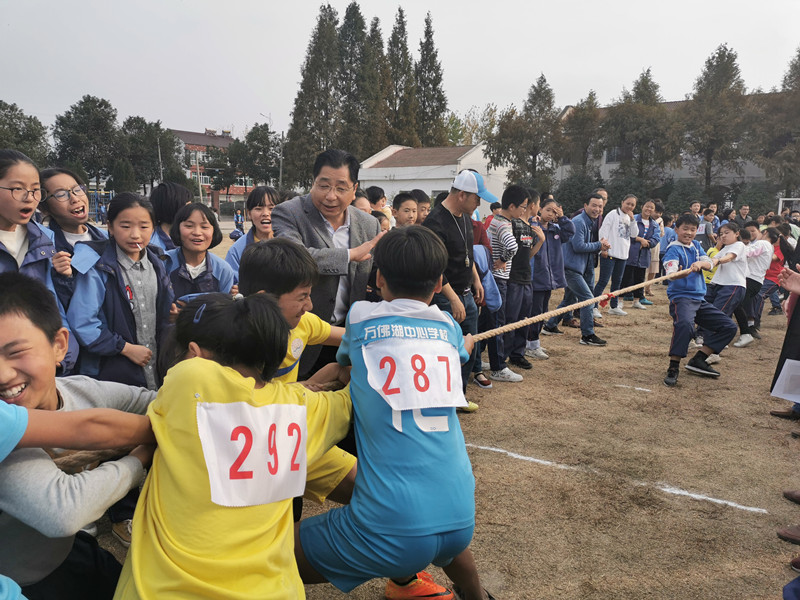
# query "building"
(398, 169)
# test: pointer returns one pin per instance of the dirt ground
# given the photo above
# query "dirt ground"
(583, 481)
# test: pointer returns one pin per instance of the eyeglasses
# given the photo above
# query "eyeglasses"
(21, 194)
(63, 195)
(339, 191)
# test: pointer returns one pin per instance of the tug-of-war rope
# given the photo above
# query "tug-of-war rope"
(602, 300)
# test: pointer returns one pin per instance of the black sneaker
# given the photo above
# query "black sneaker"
(755, 333)
(700, 366)
(522, 363)
(671, 380)
(592, 340)
(774, 312)
(552, 330)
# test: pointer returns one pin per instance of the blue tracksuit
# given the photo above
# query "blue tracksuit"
(65, 286)
(218, 276)
(234, 256)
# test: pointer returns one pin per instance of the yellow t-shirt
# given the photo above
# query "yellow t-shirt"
(709, 275)
(186, 541)
(311, 330)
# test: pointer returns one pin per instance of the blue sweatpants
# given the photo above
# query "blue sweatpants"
(685, 312)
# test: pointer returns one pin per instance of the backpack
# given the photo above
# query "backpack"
(235, 234)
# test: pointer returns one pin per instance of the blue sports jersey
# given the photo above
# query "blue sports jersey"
(414, 475)
(13, 422)
(679, 257)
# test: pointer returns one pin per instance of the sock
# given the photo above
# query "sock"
(406, 582)
(701, 354)
(674, 364)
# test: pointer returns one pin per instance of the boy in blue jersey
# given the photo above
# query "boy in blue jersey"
(414, 498)
(687, 304)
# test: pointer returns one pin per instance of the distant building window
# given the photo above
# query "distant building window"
(618, 154)
(244, 182)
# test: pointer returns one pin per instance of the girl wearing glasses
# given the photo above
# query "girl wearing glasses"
(65, 202)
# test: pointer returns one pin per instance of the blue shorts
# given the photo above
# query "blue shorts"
(347, 555)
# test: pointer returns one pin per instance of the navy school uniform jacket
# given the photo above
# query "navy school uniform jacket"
(37, 265)
(101, 314)
(65, 286)
(548, 265)
(638, 256)
(218, 276)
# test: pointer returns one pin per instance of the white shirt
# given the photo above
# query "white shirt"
(74, 238)
(759, 257)
(341, 239)
(195, 271)
(16, 242)
(734, 272)
(618, 228)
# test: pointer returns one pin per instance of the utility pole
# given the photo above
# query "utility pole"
(160, 164)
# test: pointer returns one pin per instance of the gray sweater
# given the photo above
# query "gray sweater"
(42, 508)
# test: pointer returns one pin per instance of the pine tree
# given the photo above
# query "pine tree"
(431, 99)
(316, 115)
(374, 90)
(402, 96)
(582, 133)
(352, 45)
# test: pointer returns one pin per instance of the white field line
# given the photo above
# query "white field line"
(667, 489)
(630, 387)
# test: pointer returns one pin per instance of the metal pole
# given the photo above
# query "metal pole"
(197, 169)
(160, 164)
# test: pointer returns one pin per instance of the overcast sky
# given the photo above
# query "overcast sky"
(198, 64)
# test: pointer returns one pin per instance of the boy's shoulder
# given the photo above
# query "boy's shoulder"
(401, 307)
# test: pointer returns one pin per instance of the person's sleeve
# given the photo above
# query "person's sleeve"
(319, 330)
(225, 275)
(232, 258)
(36, 492)
(579, 245)
(566, 229)
(110, 394)
(330, 261)
(343, 353)
(13, 423)
(84, 316)
(508, 243)
(609, 225)
(656, 234)
(458, 339)
(328, 419)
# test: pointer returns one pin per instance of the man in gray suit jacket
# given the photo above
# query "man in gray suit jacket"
(338, 236)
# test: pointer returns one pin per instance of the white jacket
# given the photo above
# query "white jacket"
(618, 228)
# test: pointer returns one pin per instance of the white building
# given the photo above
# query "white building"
(398, 169)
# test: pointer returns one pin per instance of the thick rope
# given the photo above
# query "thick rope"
(603, 299)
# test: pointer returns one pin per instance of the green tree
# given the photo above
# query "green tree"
(315, 118)
(352, 46)
(479, 124)
(218, 166)
(123, 178)
(639, 127)
(573, 190)
(622, 184)
(760, 196)
(142, 139)
(715, 118)
(581, 129)
(431, 99)
(87, 133)
(402, 97)
(684, 192)
(455, 129)
(22, 132)
(374, 91)
(528, 140)
(262, 157)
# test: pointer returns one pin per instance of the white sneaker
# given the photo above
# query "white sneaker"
(597, 314)
(743, 340)
(538, 354)
(505, 375)
(617, 311)
(485, 366)
(639, 305)
(698, 341)
(713, 359)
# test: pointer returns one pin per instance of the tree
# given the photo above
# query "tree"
(641, 131)
(455, 129)
(219, 168)
(87, 133)
(142, 138)
(684, 192)
(581, 130)
(573, 190)
(262, 156)
(352, 46)
(431, 99)
(123, 178)
(374, 91)
(22, 132)
(315, 117)
(715, 117)
(402, 97)
(527, 140)
(479, 125)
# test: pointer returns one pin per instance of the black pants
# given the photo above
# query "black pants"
(745, 309)
(87, 572)
(632, 276)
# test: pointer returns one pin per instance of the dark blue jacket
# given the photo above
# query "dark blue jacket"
(548, 264)
(218, 276)
(37, 265)
(101, 315)
(65, 286)
(638, 256)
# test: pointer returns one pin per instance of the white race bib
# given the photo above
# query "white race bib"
(254, 454)
(410, 374)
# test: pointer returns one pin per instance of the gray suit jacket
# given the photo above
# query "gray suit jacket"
(299, 220)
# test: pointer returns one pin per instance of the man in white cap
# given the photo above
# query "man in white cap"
(450, 220)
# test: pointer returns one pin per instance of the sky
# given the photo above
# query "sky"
(197, 64)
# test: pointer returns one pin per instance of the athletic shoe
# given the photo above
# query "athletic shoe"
(698, 341)
(700, 366)
(713, 359)
(471, 407)
(597, 314)
(671, 380)
(552, 330)
(645, 301)
(521, 363)
(422, 586)
(505, 375)
(755, 333)
(617, 311)
(640, 304)
(592, 340)
(775, 312)
(743, 340)
(795, 564)
(538, 354)
(483, 383)
(628, 298)
(459, 595)
(122, 531)
(485, 366)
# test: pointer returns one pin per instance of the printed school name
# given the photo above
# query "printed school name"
(380, 332)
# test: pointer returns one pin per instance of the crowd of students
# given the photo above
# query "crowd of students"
(142, 317)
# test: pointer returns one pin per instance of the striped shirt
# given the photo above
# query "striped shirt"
(504, 246)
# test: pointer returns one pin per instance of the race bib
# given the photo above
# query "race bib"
(254, 454)
(413, 375)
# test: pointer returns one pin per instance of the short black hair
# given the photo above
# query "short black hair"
(687, 219)
(258, 197)
(420, 196)
(533, 194)
(752, 223)
(126, 200)
(185, 212)
(379, 215)
(276, 266)
(732, 225)
(744, 234)
(593, 196)
(250, 332)
(707, 211)
(494, 206)
(374, 194)
(398, 200)
(411, 260)
(668, 219)
(514, 195)
(10, 157)
(659, 206)
(440, 197)
(336, 159)
(361, 194)
(27, 297)
(167, 200)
